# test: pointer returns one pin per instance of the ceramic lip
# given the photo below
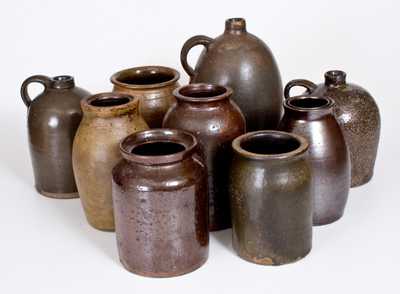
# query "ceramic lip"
(123, 103)
(137, 71)
(327, 106)
(300, 150)
(183, 138)
(335, 77)
(188, 92)
(62, 82)
(235, 24)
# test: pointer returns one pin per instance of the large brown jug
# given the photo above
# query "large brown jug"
(243, 62)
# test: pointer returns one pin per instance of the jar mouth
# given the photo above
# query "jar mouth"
(264, 145)
(202, 92)
(235, 24)
(145, 77)
(62, 82)
(158, 146)
(306, 103)
(110, 103)
(335, 77)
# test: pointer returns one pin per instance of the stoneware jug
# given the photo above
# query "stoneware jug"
(271, 200)
(207, 111)
(153, 85)
(357, 114)
(312, 117)
(107, 119)
(53, 117)
(160, 203)
(240, 60)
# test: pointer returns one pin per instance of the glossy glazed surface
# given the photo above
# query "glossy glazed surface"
(271, 197)
(357, 114)
(328, 156)
(107, 119)
(240, 60)
(153, 85)
(207, 111)
(161, 205)
(53, 118)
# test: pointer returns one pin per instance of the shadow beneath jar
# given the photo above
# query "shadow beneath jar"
(224, 238)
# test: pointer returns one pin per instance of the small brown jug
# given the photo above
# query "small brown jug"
(153, 85)
(53, 118)
(358, 116)
(207, 111)
(107, 119)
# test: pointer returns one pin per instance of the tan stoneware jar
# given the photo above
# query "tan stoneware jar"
(207, 111)
(53, 118)
(153, 85)
(107, 119)
(161, 204)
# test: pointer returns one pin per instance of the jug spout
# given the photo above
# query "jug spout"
(235, 25)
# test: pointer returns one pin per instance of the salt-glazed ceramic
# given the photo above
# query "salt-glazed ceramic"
(242, 61)
(160, 203)
(107, 119)
(153, 85)
(271, 197)
(207, 111)
(312, 117)
(357, 114)
(53, 117)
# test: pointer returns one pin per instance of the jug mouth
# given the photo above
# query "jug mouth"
(144, 77)
(62, 82)
(158, 146)
(109, 104)
(335, 78)
(307, 103)
(235, 24)
(202, 92)
(265, 145)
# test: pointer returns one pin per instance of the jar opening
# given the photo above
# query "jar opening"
(145, 78)
(236, 24)
(110, 101)
(202, 92)
(270, 144)
(308, 103)
(160, 148)
(62, 82)
(63, 78)
(335, 78)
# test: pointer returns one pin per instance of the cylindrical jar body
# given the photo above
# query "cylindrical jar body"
(153, 85)
(206, 111)
(107, 119)
(271, 200)
(53, 118)
(328, 155)
(160, 204)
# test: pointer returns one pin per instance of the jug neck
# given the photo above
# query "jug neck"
(335, 78)
(62, 82)
(235, 26)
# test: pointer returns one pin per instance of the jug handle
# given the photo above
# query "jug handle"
(189, 44)
(310, 86)
(44, 80)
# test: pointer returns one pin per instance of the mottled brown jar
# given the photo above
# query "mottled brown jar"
(107, 119)
(271, 197)
(53, 118)
(207, 111)
(240, 60)
(160, 203)
(358, 116)
(153, 85)
(312, 117)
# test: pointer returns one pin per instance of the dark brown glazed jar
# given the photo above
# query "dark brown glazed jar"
(207, 111)
(271, 197)
(358, 116)
(312, 117)
(160, 203)
(153, 85)
(240, 60)
(53, 118)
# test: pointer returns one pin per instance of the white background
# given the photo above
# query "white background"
(46, 246)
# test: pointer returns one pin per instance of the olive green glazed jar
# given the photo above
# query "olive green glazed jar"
(271, 200)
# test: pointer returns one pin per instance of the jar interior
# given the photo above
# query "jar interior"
(110, 101)
(145, 77)
(202, 92)
(309, 102)
(270, 144)
(158, 148)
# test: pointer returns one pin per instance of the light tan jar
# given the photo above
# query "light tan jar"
(107, 119)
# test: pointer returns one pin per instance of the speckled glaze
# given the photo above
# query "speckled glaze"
(153, 85)
(107, 119)
(312, 117)
(358, 116)
(53, 118)
(240, 60)
(207, 111)
(161, 205)
(271, 200)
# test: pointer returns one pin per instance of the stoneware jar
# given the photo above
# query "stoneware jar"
(107, 119)
(358, 115)
(153, 85)
(207, 111)
(160, 203)
(53, 117)
(328, 155)
(271, 200)
(242, 61)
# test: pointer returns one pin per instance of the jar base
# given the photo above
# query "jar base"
(58, 195)
(327, 221)
(267, 261)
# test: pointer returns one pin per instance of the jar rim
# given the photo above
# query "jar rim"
(290, 103)
(109, 104)
(202, 92)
